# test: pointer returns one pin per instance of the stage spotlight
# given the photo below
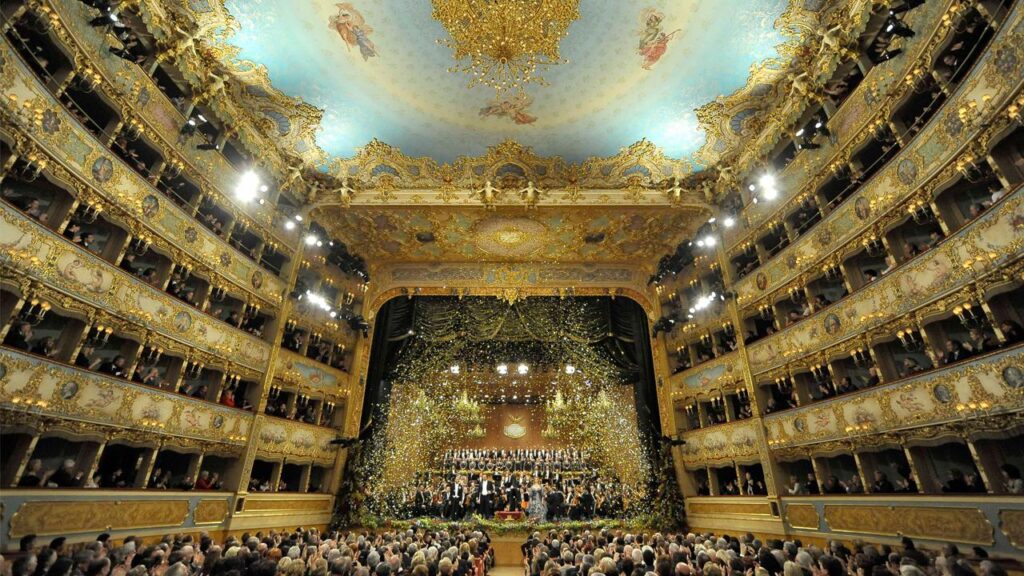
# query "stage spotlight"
(311, 239)
(709, 240)
(729, 222)
(570, 369)
(522, 368)
(503, 369)
(289, 225)
(766, 181)
(770, 193)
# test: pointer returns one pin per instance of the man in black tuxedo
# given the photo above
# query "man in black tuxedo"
(453, 507)
(486, 498)
(587, 503)
(513, 495)
(555, 499)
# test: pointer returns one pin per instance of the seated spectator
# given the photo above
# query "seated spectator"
(1012, 332)
(20, 336)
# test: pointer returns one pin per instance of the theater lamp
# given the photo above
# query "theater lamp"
(969, 315)
(35, 311)
(860, 356)
(99, 335)
(910, 339)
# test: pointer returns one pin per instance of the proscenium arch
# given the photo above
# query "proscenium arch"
(651, 309)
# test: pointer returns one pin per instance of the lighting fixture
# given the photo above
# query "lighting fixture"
(766, 181)
(455, 369)
(248, 186)
(770, 193)
(800, 132)
(570, 369)
(709, 240)
(729, 222)
(502, 369)
(311, 239)
(502, 43)
(522, 368)
(712, 220)
(700, 243)
(289, 225)
(298, 217)
(319, 243)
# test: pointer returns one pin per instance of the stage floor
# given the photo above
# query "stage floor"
(500, 570)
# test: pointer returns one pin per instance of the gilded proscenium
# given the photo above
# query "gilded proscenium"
(95, 167)
(926, 163)
(502, 43)
(975, 253)
(992, 384)
(638, 174)
(966, 525)
(133, 90)
(47, 518)
(35, 252)
(553, 234)
(33, 384)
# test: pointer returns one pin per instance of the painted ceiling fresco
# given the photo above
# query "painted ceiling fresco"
(552, 234)
(376, 69)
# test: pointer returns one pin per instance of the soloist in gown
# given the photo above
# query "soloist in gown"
(537, 509)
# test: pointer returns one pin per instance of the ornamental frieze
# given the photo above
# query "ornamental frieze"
(29, 382)
(40, 254)
(989, 385)
(734, 441)
(280, 437)
(309, 375)
(984, 245)
(722, 371)
(96, 167)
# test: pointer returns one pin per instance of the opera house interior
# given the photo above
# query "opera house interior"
(539, 287)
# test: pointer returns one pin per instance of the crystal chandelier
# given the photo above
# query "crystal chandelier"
(502, 43)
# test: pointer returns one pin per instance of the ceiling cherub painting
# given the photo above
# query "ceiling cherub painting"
(513, 108)
(351, 26)
(653, 39)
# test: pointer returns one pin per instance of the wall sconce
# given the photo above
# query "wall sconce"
(140, 245)
(217, 293)
(32, 168)
(861, 357)
(910, 339)
(88, 213)
(970, 316)
(173, 168)
(99, 335)
(314, 339)
(766, 312)
(251, 310)
(820, 374)
(797, 295)
(35, 311)
(921, 212)
(133, 129)
(832, 272)
(182, 271)
(151, 354)
(728, 329)
(87, 79)
(194, 369)
(873, 246)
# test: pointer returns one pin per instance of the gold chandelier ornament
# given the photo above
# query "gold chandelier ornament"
(503, 43)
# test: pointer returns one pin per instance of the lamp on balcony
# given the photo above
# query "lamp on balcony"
(35, 311)
(861, 357)
(970, 316)
(194, 369)
(99, 335)
(910, 339)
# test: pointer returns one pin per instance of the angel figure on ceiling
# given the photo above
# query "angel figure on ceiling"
(653, 39)
(513, 108)
(351, 26)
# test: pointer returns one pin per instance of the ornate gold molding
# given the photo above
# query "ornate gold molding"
(56, 517)
(968, 525)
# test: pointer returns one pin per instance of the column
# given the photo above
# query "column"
(304, 478)
(146, 468)
(18, 458)
(991, 481)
